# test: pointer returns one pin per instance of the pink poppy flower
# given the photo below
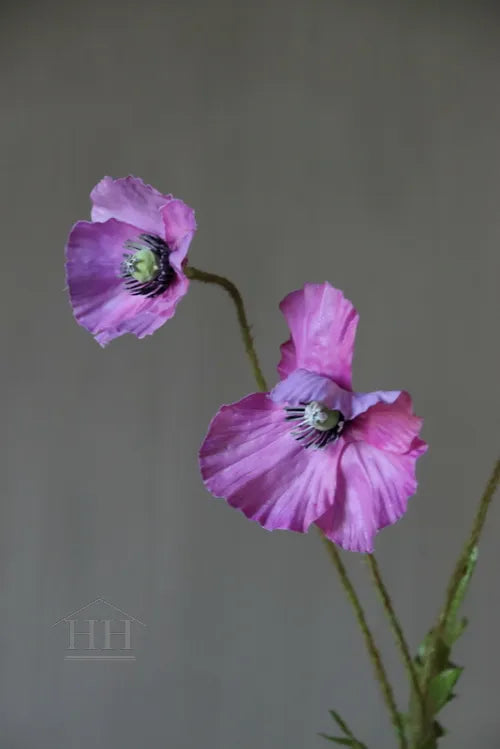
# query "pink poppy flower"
(312, 450)
(124, 268)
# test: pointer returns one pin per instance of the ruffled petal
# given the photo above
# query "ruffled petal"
(250, 459)
(373, 488)
(323, 325)
(361, 402)
(417, 448)
(288, 361)
(303, 387)
(152, 316)
(100, 302)
(389, 426)
(179, 228)
(130, 200)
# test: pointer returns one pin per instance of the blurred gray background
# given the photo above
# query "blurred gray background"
(354, 142)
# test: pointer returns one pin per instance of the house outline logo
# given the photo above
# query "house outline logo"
(101, 632)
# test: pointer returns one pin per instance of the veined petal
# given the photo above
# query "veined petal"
(323, 325)
(100, 302)
(250, 458)
(94, 254)
(151, 316)
(130, 200)
(179, 228)
(373, 488)
(389, 426)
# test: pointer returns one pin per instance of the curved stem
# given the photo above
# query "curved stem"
(232, 290)
(472, 541)
(371, 646)
(397, 629)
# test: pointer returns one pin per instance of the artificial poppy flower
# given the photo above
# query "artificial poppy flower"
(313, 450)
(125, 267)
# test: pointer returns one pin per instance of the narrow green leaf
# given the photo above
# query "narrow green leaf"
(341, 723)
(343, 741)
(452, 625)
(349, 739)
(441, 688)
(430, 744)
(438, 729)
(438, 651)
(423, 648)
(456, 629)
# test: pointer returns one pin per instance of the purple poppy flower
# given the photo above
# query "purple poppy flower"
(312, 450)
(124, 268)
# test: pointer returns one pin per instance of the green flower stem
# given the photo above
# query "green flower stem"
(371, 646)
(461, 565)
(225, 283)
(374, 653)
(397, 630)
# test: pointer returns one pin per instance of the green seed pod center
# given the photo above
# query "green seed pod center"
(143, 265)
(321, 417)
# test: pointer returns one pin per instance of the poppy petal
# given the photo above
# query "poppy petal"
(250, 458)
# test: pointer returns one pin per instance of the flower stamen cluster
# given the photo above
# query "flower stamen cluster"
(317, 424)
(145, 268)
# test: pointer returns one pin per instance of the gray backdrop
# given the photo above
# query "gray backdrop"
(354, 142)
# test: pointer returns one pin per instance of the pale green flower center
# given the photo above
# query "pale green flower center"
(314, 424)
(321, 417)
(143, 265)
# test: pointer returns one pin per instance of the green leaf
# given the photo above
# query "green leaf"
(438, 729)
(433, 650)
(425, 647)
(454, 626)
(349, 739)
(402, 729)
(341, 723)
(441, 688)
(344, 741)
(455, 629)
(429, 744)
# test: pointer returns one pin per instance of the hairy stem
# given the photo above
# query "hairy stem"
(371, 646)
(232, 290)
(397, 629)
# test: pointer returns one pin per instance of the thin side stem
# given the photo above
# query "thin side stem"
(472, 541)
(396, 628)
(371, 646)
(232, 290)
